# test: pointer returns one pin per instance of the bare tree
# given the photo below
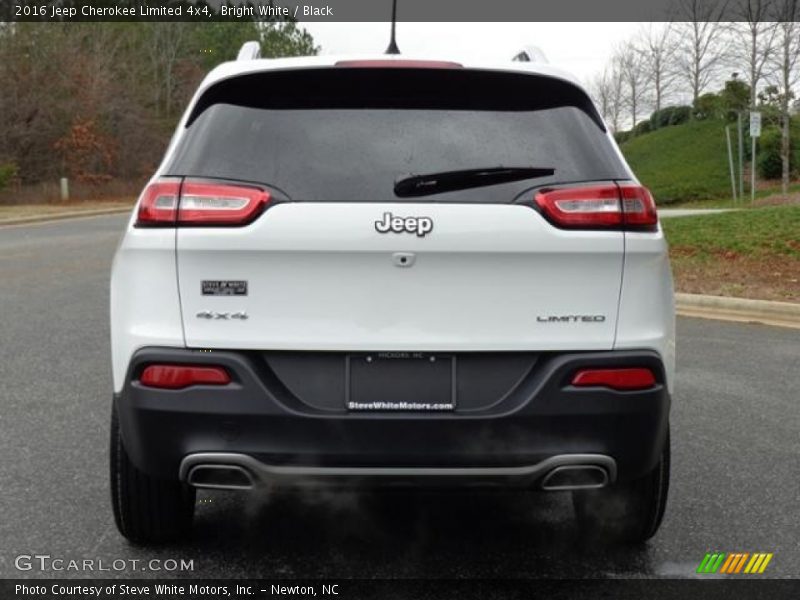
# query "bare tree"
(607, 90)
(635, 77)
(787, 59)
(600, 89)
(165, 42)
(700, 52)
(659, 46)
(755, 37)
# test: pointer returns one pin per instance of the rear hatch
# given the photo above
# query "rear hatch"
(344, 257)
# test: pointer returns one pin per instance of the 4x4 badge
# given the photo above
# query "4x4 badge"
(224, 316)
(419, 225)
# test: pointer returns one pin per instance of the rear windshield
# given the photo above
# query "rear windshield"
(349, 134)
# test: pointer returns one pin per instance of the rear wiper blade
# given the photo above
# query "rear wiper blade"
(451, 181)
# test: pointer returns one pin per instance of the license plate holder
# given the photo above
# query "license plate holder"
(400, 382)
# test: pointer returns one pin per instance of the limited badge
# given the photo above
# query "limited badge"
(224, 288)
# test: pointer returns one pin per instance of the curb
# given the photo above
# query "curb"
(64, 215)
(781, 314)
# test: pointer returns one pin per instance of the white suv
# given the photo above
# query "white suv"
(384, 271)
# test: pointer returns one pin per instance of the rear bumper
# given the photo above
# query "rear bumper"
(230, 470)
(253, 422)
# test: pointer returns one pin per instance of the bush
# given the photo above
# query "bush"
(642, 127)
(734, 98)
(680, 114)
(768, 155)
(8, 172)
(708, 106)
(623, 136)
(670, 115)
(660, 118)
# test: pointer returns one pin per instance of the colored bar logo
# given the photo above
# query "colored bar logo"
(734, 562)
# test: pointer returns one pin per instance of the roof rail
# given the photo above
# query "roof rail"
(249, 51)
(531, 54)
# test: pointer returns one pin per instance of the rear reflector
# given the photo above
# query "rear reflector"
(605, 206)
(617, 379)
(174, 377)
(168, 203)
(400, 64)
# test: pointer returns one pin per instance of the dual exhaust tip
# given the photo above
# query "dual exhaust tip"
(237, 477)
(221, 477)
(575, 477)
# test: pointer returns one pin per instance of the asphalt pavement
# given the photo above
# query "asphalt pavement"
(735, 475)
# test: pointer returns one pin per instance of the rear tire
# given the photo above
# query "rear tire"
(626, 512)
(146, 509)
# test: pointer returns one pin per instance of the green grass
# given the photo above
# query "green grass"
(682, 162)
(730, 203)
(755, 233)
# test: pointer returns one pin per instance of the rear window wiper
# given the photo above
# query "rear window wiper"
(451, 181)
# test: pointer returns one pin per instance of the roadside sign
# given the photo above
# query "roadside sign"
(755, 124)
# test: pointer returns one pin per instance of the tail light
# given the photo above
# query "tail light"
(159, 203)
(170, 203)
(607, 206)
(638, 208)
(174, 377)
(616, 379)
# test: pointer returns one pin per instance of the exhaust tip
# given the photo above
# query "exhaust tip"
(575, 477)
(220, 477)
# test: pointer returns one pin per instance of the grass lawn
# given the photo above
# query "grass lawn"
(689, 162)
(683, 162)
(750, 253)
(763, 196)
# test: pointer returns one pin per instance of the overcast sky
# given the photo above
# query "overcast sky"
(582, 48)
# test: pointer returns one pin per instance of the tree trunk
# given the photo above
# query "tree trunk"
(787, 63)
(785, 151)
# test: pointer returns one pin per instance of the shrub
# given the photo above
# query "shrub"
(670, 115)
(680, 114)
(734, 98)
(8, 172)
(768, 156)
(708, 106)
(643, 127)
(622, 136)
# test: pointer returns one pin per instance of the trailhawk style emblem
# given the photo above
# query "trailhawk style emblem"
(418, 225)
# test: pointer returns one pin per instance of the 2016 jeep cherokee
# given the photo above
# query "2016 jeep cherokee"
(384, 271)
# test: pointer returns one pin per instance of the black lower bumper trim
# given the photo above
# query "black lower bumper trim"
(544, 416)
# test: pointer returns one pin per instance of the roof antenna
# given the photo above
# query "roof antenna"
(393, 49)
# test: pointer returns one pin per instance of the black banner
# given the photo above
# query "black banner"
(350, 589)
(370, 10)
